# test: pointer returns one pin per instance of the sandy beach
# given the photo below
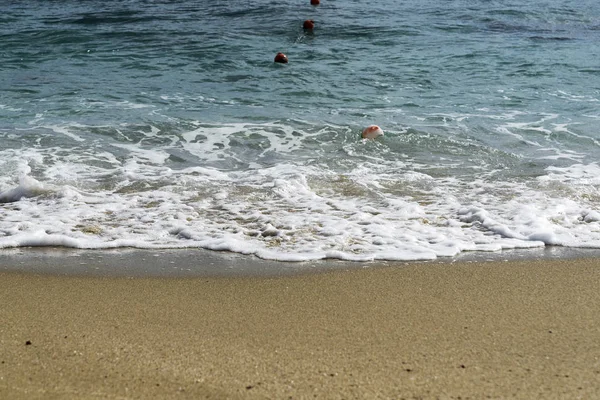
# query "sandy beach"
(477, 330)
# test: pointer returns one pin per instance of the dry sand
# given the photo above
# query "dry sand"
(502, 330)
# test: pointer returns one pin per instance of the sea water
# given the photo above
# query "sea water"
(166, 124)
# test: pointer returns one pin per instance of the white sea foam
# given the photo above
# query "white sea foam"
(286, 203)
(63, 131)
(28, 187)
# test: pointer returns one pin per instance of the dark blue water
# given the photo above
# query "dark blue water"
(360, 59)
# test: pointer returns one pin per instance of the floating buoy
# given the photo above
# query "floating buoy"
(372, 132)
(315, 2)
(309, 24)
(281, 58)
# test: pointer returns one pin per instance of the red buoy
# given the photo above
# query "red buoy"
(281, 58)
(309, 24)
(315, 2)
(372, 132)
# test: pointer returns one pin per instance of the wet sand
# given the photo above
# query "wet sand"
(516, 329)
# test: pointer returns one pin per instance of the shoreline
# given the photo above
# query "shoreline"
(178, 263)
(498, 329)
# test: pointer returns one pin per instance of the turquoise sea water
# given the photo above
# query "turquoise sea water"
(166, 124)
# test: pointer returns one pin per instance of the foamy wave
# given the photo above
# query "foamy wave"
(287, 215)
(290, 193)
(28, 187)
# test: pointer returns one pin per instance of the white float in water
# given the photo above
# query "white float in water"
(372, 132)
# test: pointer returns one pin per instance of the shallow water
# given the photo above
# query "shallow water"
(155, 124)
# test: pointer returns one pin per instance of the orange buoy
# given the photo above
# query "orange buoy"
(372, 132)
(315, 2)
(309, 24)
(281, 58)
